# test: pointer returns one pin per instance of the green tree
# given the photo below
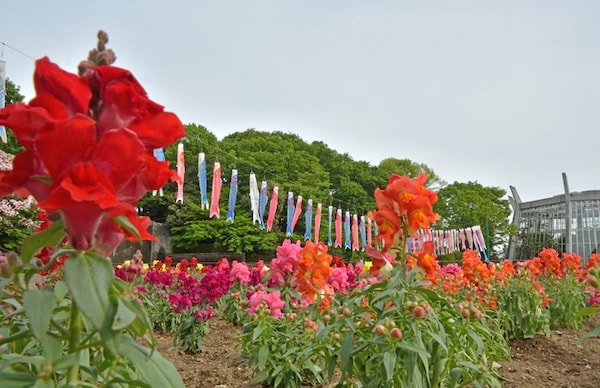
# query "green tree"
(463, 205)
(406, 167)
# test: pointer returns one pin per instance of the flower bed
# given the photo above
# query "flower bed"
(454, 326)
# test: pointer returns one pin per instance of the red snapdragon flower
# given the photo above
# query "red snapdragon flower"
(88, 152)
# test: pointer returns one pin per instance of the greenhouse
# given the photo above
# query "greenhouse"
(568, 222)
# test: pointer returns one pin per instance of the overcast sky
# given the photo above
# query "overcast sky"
(499, 92)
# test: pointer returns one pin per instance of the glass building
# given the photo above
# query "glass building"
(568, 222)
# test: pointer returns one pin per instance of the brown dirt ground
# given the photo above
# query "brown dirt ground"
(562, 360)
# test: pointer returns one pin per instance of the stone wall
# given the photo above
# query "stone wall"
(158, 250)
(151, 250)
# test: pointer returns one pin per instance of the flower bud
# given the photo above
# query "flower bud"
(386, 270)
(396, 333)
(380, 329)
(419, 312)
(84, 66)
(102, 36)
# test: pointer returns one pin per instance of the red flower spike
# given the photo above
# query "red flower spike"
(67, 143)
(87, 158)
(125, 104)
(72, 90)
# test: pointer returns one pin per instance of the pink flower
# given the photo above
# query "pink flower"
(240, 272)
(285, 263)
(339, 279)
(594, 300)
(272, 301)
(450, 269)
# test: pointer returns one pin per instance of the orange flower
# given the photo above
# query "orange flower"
(389, 227)
(570, 262)
(427, 260)
(404, 206)
(474, 269)
(313, 268)
(593, 261)
(550, 262)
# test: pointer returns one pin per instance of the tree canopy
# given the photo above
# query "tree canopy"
(312, 170)
(463, 205)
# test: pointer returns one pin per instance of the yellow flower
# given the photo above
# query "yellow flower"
(367, 266)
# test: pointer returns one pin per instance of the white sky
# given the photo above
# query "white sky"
(499, 92)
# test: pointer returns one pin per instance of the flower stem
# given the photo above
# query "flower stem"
(74, 342)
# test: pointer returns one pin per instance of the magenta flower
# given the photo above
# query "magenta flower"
(257, 272)
(158, 278)
(180, 302)
(204, 314)
(594, 300)
(272, 301)
(216, 282)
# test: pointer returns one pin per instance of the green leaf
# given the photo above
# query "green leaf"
(346, 352)
(142, 324)
(123, 317)
(38, 308)
(60, 290)
(421, 351)
(389, 362)
(52, 348)
(44, 383)
(16, 380)
(89, 277)
(65, 362)
(153, 368)
(263, 355)
(46, 238)
(260, 376)
(586, 312)
(257, 332)
(593, 333)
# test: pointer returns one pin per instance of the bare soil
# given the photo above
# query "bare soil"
(562, 360)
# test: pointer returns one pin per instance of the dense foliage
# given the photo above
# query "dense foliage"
(312, 170)
(462, 205)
